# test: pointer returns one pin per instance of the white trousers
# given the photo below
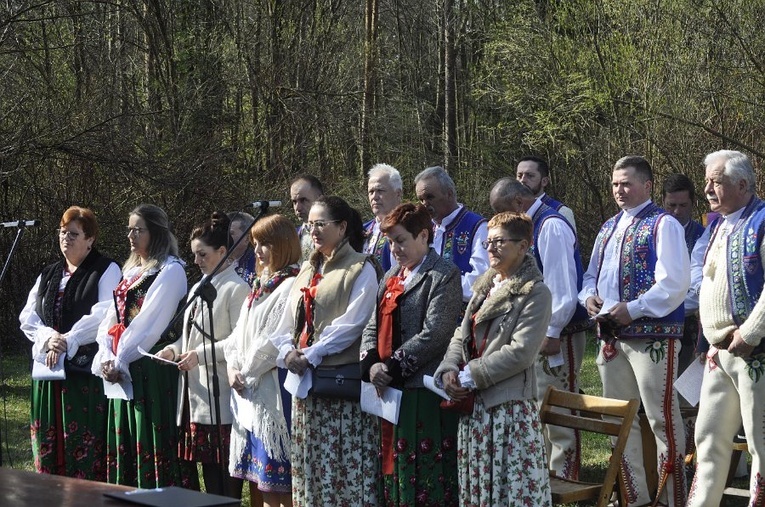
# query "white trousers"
(645, 369)
(563, 444)
(733, 391)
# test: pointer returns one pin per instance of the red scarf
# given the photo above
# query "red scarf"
(309, 295)
(394, 287)
(120, 295)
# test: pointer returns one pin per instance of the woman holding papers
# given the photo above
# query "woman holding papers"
(61, 318)
(199, 437)
(418, 305)
(501, 449)
(334, 456)
(142, 438)
(260, 439)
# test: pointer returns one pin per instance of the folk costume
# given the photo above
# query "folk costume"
(142, 436)
(733, 390)
(561, 208)
(195, 417)
(458, 239)
(376, 244)
(556, 251)
(501, 456)
(409, 332)
(334, 451)
(260, 434)
(639, 257)
(68, 417)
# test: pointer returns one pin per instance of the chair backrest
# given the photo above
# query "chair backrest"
(583, 412)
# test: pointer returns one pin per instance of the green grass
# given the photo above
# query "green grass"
(17, 451)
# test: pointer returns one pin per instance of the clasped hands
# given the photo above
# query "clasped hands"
(296, 362)
(56, 345)
(110, 373)
(453, 387)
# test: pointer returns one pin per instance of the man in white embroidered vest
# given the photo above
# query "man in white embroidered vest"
(534, 173)
(556, 251)
(458, 232)
(304, 190)
(636, 282)
(384, 190)
(732, 315)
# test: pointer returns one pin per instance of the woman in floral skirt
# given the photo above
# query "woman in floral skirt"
(502, 459)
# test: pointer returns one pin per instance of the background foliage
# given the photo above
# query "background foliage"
(206, 105)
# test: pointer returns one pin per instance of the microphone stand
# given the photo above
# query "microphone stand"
(22, 225)
(207, 293)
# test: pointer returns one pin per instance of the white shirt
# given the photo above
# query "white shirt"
(374, 237)
(83, 331)
(672, 272)
(479, 257)
(339, 334)
(564, 210)
(158, 308)
(555, 244)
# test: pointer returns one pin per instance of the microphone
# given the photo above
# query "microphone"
(20, 223)
(266, 204)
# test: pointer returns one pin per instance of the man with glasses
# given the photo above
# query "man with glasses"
(556, 251)
(458, 232)
(635, 284)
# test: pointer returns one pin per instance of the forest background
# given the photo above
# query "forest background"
(210, 104)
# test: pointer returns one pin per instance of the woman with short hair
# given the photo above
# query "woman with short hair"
(501, 457)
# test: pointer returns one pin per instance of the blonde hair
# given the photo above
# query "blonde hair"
(162, 241)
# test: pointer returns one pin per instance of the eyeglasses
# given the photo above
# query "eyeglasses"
(319, 225)
(63, 233)
(135, 231)
(498, 242)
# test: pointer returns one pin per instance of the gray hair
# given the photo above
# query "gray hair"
(737, 166)
(242, 219)
(394, 177)
(440, 174)
(508, 188)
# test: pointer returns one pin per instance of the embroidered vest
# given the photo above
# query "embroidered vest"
(637, 266)
(381, 250)
(693, 232)
(457, 243)
(745, 270)
(80, 293)
(332, 297)
(580, 321)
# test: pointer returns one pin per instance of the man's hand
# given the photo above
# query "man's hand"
(620, 315)
(738, 347)
(550, 346)
(593, 304)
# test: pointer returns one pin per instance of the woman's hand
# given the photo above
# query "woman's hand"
(51, 358)
(188, 360)
(453, 387)
(296, 362)
(110, 373)
(236, 380)
(378, 376)
(56, 342)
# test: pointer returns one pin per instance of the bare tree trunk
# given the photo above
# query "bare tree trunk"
(450, 93)
(370, 79)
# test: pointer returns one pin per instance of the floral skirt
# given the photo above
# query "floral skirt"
(424, 453)
(142, 435)
(199, 442)
(334, 453)
(502, 458)
(68, 427)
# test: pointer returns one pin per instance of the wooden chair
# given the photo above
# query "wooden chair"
(584, 412)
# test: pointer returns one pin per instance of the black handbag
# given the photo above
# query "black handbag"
(82, 360)
(341, 382)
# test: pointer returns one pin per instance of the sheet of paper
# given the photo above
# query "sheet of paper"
(161, 360)
(556, 360)
(605, 310)
(41, 372)
(689, 383)
(386, 406)
(298, 385)
(242, 409)
(119, 390)
(431, 384)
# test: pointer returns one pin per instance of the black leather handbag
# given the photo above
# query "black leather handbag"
(339, 382)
